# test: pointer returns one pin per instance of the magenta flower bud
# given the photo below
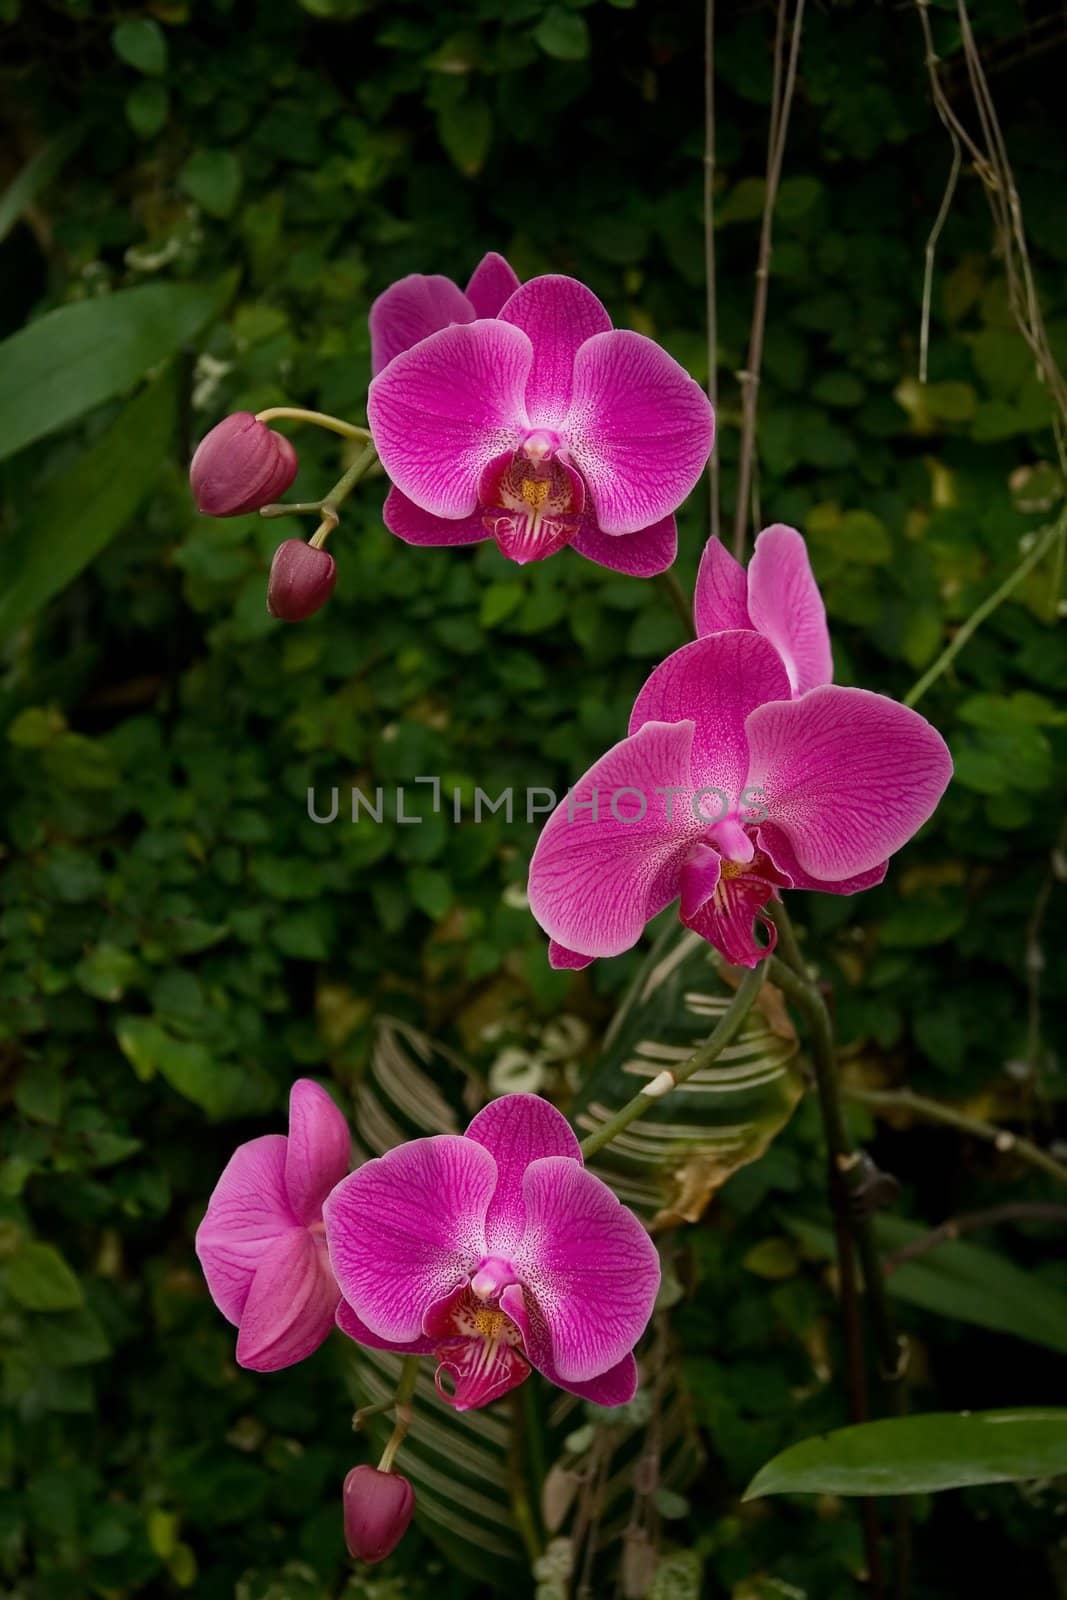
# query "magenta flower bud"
(239, 466)
(378, 1512)
(301, 580)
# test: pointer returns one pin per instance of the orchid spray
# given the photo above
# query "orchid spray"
(517, 414)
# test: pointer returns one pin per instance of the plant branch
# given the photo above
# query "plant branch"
(785, 74)
(709, 248)
(1044, 544)
(321, 419)
(956, 1227)
(852, 1234)
(723, 1034)
(669, 585)
(891, 1100)
(409, 1375)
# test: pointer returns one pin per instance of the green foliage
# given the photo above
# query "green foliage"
(210, 203)
(914, 1455)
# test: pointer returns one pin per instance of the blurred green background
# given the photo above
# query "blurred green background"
(179, 941)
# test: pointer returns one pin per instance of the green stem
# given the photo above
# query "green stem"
(987, 607)
(724, 1032)
(679, 600)
(321, 419)
(409, 1374)
(934, 1111)
(339, 494)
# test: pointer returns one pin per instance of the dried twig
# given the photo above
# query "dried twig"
(956, 1227)
(785, 74)
(709, 248)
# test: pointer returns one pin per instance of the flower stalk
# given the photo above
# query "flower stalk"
(321, 419)
(409, 1373)
(724, 1033)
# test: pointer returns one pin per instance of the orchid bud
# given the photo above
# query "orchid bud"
(301, 580)
(239, 466)
(378, 1510)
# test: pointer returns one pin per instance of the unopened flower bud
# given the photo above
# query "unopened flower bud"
(301, 580)
(378, 1511)
(239, 466)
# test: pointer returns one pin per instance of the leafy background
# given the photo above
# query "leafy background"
(180, 941)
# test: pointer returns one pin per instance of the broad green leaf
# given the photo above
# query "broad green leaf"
(668, 1164)
(142, 44)
(77, 514)
(563, 34)
(147, 105)
(35, 176)
(75, 358)
(962, 1280)
(920, 1455)
(39, 1279)
(466, 131)
(213, 179)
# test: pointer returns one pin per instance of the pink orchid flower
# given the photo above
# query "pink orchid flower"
(777, 597)
(541, 428)
(495, 1251)
(726, 791)
(262, 1242)
(418, 305)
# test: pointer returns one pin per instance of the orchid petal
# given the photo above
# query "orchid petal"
(318, 1149)
(410, 310)
(290, 1306)
(407, 1229)
(699, 879)
(597, 878)
(720, 600)
(415, 526)
(641, 555)
(442, 411)
(786, 607)
(716, 682)
(588, 1264)
(566, 960)
(777, 846)
(559, 314)
(616, 1387)
(492, 282)
(848, 776)
(356, 1329)
(518, 1129)
(249, 1208)
(639, 429)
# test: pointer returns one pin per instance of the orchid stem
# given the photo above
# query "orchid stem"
(405, 1388)
(679, 600)
(852, 1230)
(934, 1111)
(321, 419)
(1044, 544)
(724, 1032)
(340, 492)
(294, 508)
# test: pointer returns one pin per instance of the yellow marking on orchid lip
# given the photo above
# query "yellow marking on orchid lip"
(535, 491)
(734, 869)
(489, 1323)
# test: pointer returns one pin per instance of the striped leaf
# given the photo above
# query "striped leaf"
(669, 1163)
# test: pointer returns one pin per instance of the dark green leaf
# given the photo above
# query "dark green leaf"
(39, 1279)
(920, 1455)
(75, 358)
(142, 44)
(72, 520)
